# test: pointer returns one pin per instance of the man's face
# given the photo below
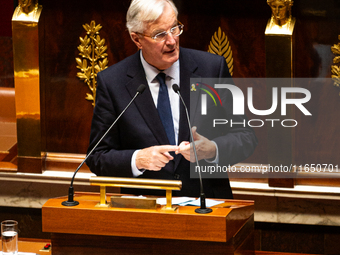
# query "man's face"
(279, 9)
(159, 54)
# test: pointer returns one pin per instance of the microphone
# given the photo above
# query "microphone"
(203, 208)
(70, 201)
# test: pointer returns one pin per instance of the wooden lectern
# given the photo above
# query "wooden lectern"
(87, 229)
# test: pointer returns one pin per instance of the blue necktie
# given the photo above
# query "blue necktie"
(164, 109)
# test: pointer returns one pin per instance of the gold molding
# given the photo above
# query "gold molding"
(139, 183)
(92, 49)
(219, 45)
(26, 27)
(336, 68)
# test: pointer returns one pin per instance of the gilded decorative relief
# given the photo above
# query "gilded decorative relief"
(92, 49)
(336, 68)
(28, 6)
(281, 21)
(27, 10)
(281, 11)
(219, 45)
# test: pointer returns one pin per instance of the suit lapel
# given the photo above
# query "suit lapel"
(144, 102)
(147, 108)
(187, 70)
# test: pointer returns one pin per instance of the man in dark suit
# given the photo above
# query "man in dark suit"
(142, 144)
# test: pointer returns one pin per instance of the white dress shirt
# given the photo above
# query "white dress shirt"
(172, 77)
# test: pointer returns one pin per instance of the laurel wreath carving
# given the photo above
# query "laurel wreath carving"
(93, 58)
(336, 68)
(219, 45)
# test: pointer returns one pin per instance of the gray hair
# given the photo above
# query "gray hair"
(144, 11)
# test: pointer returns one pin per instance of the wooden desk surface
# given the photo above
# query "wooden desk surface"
(33, 245)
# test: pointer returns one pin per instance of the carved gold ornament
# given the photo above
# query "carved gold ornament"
(28, 6)
(336, 68)
(219, 45)
(91, 49)
(27, 11)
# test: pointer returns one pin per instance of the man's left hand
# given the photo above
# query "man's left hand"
(205, 148)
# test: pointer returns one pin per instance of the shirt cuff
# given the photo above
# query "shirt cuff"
(216, 160)
(135, 171)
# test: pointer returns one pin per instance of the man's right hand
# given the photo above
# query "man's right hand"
(155, 157)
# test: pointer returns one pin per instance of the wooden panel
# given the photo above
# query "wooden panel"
(122, 244)
(316, 136)
(6, 11)
(8, 136)
(65, 162)
(87, 244)
(279, 253)
(68, 114)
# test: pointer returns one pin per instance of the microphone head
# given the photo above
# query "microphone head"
(175, 88)
(141, 88)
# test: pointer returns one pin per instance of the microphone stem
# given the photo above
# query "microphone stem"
(107, 131)
(203, 208)
(70, 201)
(194, 147)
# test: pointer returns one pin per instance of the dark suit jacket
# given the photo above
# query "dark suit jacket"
(141, 127)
